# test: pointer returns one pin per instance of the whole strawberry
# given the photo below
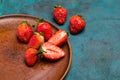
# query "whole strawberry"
(60, 14)
(45, 28)
(51, 51)
(36, 40)
(24, 31)
(59, 38)
(77, 24)
(30, 56)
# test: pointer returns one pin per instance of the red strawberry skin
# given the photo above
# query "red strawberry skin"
(30, 56)
(24, 32)
(59, 38)
(36, 40)
(46, 29)
(77, 24)
(52, 52)
(60, 15)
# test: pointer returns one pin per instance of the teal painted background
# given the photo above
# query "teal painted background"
(96, 50)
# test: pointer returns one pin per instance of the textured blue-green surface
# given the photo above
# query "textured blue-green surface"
(96, 50)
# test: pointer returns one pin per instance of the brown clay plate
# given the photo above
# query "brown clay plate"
(12, 66)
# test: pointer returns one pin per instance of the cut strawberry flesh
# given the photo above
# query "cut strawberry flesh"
(52, 52)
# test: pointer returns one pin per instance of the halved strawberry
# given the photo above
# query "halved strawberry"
(24, 31)
(51, 51)
(30, 56)
(59, 38)
(36, 40)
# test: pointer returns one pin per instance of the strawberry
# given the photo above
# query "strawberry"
(60, 14)
(59, 38)
(24, 31)
(77, 24)
(45, 28)
(51, 51)
(30, 56)
(36, 40)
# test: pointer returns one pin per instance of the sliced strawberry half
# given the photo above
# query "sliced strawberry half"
(59, 37)
(51, 51)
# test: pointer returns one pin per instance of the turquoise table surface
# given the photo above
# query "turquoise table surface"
(96, 50)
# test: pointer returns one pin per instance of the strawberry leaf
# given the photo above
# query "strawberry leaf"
(39, 20)
(41, 33)
(80, 15)
(57, 6)
(36, 33)
(25, 22)
(41, 49)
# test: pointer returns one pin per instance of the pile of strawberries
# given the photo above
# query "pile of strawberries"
(41, 40)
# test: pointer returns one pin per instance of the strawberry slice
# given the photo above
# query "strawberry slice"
(51, 51)
(59, 38)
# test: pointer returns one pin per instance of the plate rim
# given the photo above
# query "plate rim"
(56, 26)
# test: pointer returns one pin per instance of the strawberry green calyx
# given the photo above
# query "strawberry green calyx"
(25, 22)
(39, 54)
(41, 33)
(38, 33)
(41, 49)
(57, 6)
(34, 25)
(79, 15)
(39, 20)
